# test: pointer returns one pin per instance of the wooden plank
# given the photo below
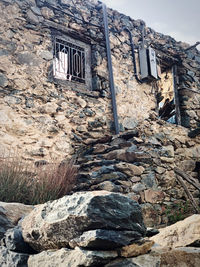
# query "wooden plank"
(189, 195)
(187, 178)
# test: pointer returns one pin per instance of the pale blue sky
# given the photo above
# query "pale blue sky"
(178, 18)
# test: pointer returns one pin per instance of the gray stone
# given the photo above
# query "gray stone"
(108, 186)
(151, 232)
(106, 169)
(5, 223)
(96, 83)
(138, 157)
(3, 80)
(3, 52)
(95, 124)
(54, 224)
(73, 258)
(36, 10)
(12, 259)
(14, 241)
(191, 73)
(122, 263)
(197, 58)
(88, 112)
(113, 176)
(8, 1)
(28, 59)
(132, 148)
(29, 103)
(129, 123)
(149, 180)
(138, 188)
(32, 18)
(190, 54)
(12, 100)
(45, 54)
(10, 214)
(105, 239)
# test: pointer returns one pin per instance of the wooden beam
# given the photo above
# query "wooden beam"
(187, 178)
(189, 195)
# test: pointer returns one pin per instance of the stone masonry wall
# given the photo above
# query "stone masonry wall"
(44, 118)
(140, 164)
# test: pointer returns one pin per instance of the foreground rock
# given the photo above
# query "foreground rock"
(72, 258)
(180, 257)
(105, 239)
(55, 224)
(133, 250)
(10, 214)
(181, 234)
(12, 259)
(13, 241)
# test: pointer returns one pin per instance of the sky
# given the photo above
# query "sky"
(177, 18)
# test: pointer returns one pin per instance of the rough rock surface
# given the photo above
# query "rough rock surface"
(181, 234)
(15, 211)
(187, 257)
(105, 239)
(10, 214)
(54, 224)
(12, 259)
(72, 258)
(136, 249)
(13, 240)
(4, 223)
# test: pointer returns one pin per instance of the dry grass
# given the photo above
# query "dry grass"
(15, 181)
(22, 182)
(53, 181)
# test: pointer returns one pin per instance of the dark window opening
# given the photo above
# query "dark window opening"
(166, 97)
(69, 61)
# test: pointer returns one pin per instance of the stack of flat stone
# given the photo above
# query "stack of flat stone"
(97, 228)
(84, 229)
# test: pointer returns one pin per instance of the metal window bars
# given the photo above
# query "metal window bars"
(69, 61)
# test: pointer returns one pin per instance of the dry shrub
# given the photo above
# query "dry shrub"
(15, 182)
(53, 181)
(21, 182)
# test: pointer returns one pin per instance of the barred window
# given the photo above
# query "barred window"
(69, 61)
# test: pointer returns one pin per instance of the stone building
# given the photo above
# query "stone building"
(54, 78)
(56, 101)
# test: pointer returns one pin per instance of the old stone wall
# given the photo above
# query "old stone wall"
(42, 117)
(140, 164)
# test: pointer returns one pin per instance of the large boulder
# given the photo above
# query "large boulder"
(73, 258)
(10, 214)
(55, 224)
(181, 234)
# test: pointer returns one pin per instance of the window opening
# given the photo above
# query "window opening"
(69, 61)
(166, 97)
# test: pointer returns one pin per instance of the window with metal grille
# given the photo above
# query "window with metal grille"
(69, 61)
